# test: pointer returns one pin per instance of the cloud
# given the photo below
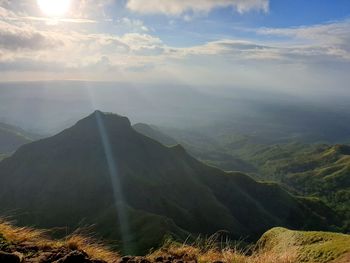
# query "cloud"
(330, 40)
(180, 7)
(35, 49)
(14, 37)
(83, 46)
(335, 33)
(132, 24)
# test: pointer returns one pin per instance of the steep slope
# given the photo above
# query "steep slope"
(154, 133)
(198, 145)
(318, 170)
(311, 247)
(134, 189)
(11, 138)
(326, 174)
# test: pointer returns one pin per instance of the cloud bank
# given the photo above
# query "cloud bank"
(131, 50)
(179, 7)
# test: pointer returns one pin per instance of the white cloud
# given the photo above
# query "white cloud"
(325, 40)
(14, 37)
(179, 7)
(330, 33)
(79, 47)
(132, 24)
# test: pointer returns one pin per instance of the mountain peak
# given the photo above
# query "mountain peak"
(109, 121)
(108, 116)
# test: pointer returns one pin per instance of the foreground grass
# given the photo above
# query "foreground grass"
(194, 254)
(12, 236)
(279, 245)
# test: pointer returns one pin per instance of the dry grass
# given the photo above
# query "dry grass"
(23, 235)
(211, 251)
(41, 239)
(190, 253)
(202, 251)
(94, 248)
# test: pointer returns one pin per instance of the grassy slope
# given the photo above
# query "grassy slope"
(314, 170)
(162, 186)
(315, 247)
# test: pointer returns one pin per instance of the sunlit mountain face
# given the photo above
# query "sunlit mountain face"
(237, 121)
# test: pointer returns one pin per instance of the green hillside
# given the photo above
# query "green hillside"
(309, 247)
(316, 170)
(102, 172)
(319, 170)
(324, 173)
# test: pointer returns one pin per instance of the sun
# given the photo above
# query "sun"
(54, 8)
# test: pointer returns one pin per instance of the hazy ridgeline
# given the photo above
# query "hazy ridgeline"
(48, 107)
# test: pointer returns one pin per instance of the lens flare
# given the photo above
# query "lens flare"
(54, 8)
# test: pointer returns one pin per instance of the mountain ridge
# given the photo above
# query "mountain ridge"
(103, 172)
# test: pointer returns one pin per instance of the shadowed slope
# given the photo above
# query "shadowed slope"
(67, 180)
(154, 133)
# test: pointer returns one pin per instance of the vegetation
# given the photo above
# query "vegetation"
(278, 245)
(132, 189)
(319, 170)
(312, 170)
(36, 245)
(316, 247)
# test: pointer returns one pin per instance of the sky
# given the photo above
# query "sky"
(289, 45)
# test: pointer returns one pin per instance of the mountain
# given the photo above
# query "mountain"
(325, 173)
(11, 138)
(198, 145)
(154, 133)
(133, 189)
(318, 170)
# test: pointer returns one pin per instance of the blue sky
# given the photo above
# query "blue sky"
(226, 21)
(286, 44)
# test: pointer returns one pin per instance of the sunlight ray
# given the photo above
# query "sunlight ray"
(114, 176)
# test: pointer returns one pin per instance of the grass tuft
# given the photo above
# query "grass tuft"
(94, 248)
(209, 250)
(26, 236)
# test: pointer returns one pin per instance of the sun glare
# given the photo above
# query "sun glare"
(54, 8)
